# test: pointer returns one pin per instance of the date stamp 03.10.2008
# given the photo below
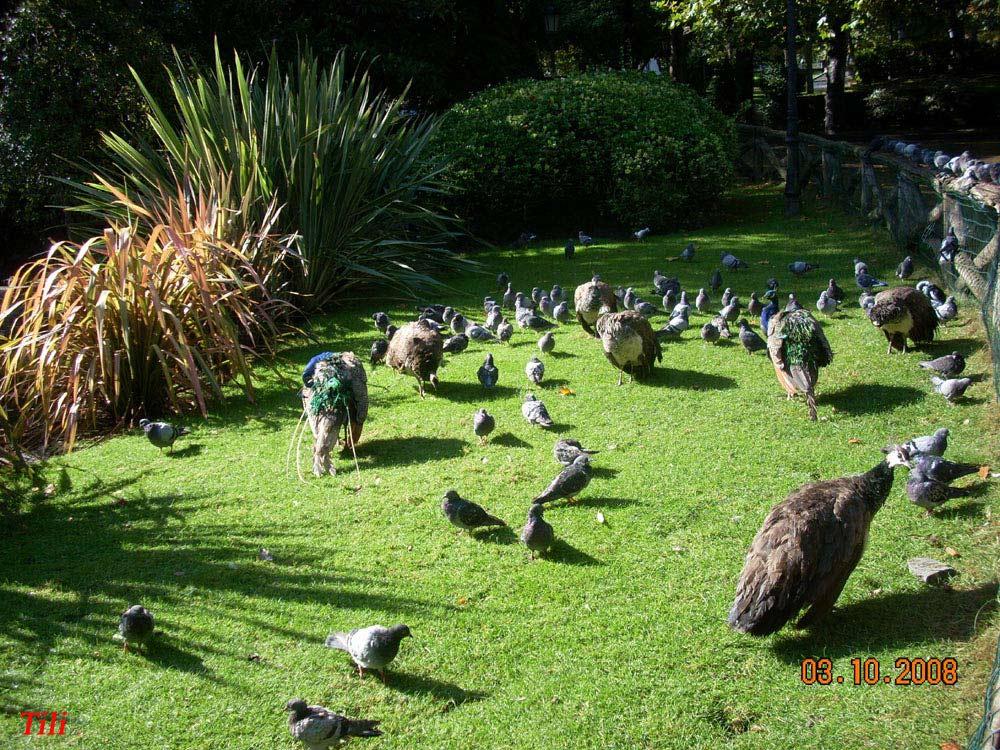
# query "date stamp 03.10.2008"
(905, 671)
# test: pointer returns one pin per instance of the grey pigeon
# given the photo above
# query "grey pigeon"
(731, 311)
(905, 268)
(687, 254)
(456, 344)
(866, 281)
(135, 626)
(534, 322)
(702, 302)
(447, 314)
(668, 301)
(493, 318)
(630, 298)
(547, 343)
(566, 450)
(866, 301)
(947, 366)
(644, 308)
(535, 412)
(373, 647)
(379, 348)
(162, 434)
(733, 263)
(458, 323)
(556, 294)
(826, 304)
(754, 306)
(571, 481)
(466, 514)
(483, 424)
(722, 326)
(488, 373)
(561, 313)
(381, 321)
(793, 303)
(545, 305)
(951, 388)
(504, 331)
(947, 310)
(569, 251)
(319, 728)
(716, 281)
(537, 533)
(934, 445)
(940, 469)
(949, 247)
(536, 294)
(641, 234)
(727, 297)
(535, 370)
(478, 333)
(585, 239)
(799, 267)
(859, 266)
(930, 494)
(682, 307)
(709, 333)
(503, 279)
(834, 291)
(508, 296)
(750, 339)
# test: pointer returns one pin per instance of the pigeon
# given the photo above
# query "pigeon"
(483, 424)
(536, 295)
(535, 322)
(951, 388)
(772, 284)
(488, 374)
(754, 306)
(934, 445)
(933, 292)
(373, 647)
(523, 239)
(585, 239)
(644, 308)
(949, 247)
(456, 344)
(731, 311)
(566, 450)
(630, 298)
(504, 331)
(930, 494)
(537, 534)
(687, 254)
(508, 297)
(535, 370)
(561, 313)
(770, 310)
(458, 323)
(503, 279)
(319, 728)
(135, 626)
(379, 348)
(545, 305)
(722, 326)
(947, 310)
(535, 412)
(547, 343)
(793, 303)
(826, 304)
(682, 307)
(750, 339)
(905, 268)
(860, 266)
(941, 469)
(702, 302)
(941, 160)
(478, 333)
(641, 234)
(866, 281)
(709, 333)
(668, 300)
(947, 366)
(866, 301)
(799, 267)
(163, 434)
(569, 250)
(556, 294)
(727, 297)
(493, 318)
(571, 482)
(466, 514)
(834, 291)
(716, 281)
(488, 304)
(381, 321)
(733, 263)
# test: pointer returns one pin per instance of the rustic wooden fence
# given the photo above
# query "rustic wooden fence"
(913, 202)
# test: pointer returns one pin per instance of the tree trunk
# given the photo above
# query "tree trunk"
(836, 63)
(678, 54)
(792, 123)
(807, 53)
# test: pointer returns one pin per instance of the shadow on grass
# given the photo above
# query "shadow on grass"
(495, 535)
(409, 450)
(509, 440)
(603, 502)
(463, 392)
(192, 449)
(691, 380)
(449, 693)
(562, 551)
(870, 398)
(162, 652)
(893, 621)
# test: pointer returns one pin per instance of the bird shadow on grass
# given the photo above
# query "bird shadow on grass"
(447, 692)
(473, 392)
(603, 502)
(560, 355)
(409, 450)
(966, 346)
(965, 510)
(691, 380)
(563, 552)
(495, 535)
(509, 440)
(163, 653)
(192, 449)
(930, 613)
(870, 398)
(560, 428)
(550, 383)
(603, 471)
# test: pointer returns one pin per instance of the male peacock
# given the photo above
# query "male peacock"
(335, 395)
(798, 349)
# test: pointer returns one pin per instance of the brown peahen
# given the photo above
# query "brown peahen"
(629, 342)
(589, 298)
(903, 313)
(798, 349)
(417, 349)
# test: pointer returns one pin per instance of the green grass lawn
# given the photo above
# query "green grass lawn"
(618, 640)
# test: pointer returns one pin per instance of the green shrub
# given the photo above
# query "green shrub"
(353, 175)
(631, 149)
(889, 107)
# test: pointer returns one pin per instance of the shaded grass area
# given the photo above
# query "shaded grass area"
(618, 639)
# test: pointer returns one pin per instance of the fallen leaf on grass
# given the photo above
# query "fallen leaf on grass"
(600, 517)
(763, 262)
(673, 258)
(854, 441)
(952, 552)
(462, 601)
(50, 490)
(564, 391)
(984, 472)
(949, 746)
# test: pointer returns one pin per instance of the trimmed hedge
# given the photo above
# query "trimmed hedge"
(625, 149)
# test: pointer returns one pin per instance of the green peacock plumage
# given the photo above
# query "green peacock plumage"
(802, 346)
(330, 394)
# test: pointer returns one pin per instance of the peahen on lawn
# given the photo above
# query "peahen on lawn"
(335, 396)
(798, 349)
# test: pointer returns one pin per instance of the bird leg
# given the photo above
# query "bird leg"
(620, 376)
(125, 646)
(361, 672)
(420, 388)
(385, 678)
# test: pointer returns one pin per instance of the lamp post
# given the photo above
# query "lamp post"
(551, 17)
(792, 123)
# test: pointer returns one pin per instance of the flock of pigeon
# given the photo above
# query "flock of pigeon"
(964, 166)
(804, 552)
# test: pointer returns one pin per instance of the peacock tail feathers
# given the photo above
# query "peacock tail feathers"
(805, 343)
(332, 391)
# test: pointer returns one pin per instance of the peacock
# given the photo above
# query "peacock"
(417, 349)
(629, 342)
(334, 396)
(903, 313)
(798, 349)
(589, 298)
